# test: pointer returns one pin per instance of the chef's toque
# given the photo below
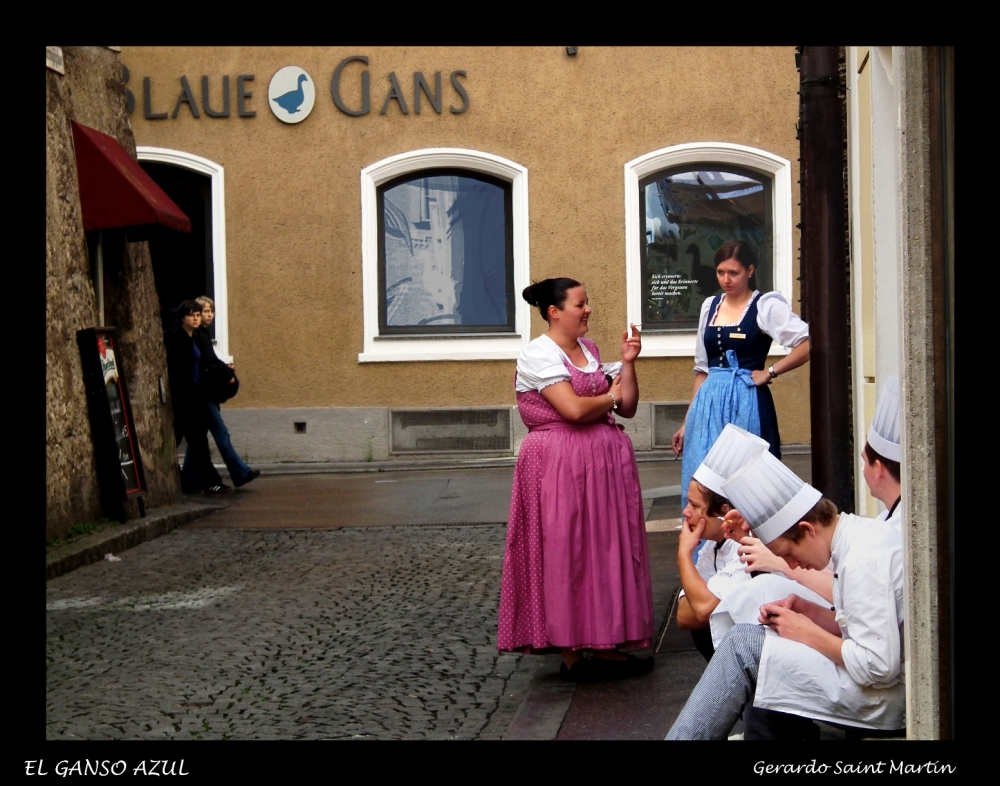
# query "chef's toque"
(769, 496)
(732, 450)
(884, 434)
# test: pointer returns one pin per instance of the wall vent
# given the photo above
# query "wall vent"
(466, 430)
(667, 418)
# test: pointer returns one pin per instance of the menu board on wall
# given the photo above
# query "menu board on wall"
(119, 464)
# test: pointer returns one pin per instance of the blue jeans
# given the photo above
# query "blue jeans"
(238, 469)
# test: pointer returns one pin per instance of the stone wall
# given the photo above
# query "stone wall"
(92, 93)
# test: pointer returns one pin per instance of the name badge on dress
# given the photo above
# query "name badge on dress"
(737, 335)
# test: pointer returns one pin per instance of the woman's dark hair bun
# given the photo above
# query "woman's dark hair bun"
(549, 292)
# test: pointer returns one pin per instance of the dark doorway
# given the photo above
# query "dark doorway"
(182, 263)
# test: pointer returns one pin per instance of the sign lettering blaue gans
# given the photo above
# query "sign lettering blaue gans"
(291, 93)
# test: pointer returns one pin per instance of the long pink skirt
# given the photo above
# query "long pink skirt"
(576, 567)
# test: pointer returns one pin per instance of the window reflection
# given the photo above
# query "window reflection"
(446, 254)
(688, 215)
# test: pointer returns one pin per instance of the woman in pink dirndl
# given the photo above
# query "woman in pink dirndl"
(576, 567)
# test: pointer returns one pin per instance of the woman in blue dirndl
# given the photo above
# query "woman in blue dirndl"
(735, 332)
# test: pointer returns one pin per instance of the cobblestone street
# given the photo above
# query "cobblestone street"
(381, 633)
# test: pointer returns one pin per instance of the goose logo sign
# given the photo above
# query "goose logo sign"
(291, 94)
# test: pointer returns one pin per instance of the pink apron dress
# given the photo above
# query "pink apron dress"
(576, 566)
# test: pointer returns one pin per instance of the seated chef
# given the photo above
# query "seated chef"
(881, 469)
(718, 568)
(842, 663)
(882, 454)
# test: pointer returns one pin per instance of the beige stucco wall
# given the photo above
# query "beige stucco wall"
(293, 207)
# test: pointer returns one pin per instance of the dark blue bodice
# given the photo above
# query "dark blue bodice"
(747, 340)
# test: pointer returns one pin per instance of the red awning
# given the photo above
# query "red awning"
(114, 189)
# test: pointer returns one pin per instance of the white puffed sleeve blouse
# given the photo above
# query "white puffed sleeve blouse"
(540, 364)
(774, 317)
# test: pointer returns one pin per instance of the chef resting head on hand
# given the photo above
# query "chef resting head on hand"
(800, 547)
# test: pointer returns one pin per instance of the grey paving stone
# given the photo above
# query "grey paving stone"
(383, 633)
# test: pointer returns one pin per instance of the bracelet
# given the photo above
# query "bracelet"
(770, 370)
(615, 404)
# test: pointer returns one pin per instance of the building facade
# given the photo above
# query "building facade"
(366, 218)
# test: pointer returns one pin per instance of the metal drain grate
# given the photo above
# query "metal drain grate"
(467, 430)
(667, 418)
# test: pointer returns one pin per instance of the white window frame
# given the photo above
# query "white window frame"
(778, 169)
(178, 158)
(470, 346)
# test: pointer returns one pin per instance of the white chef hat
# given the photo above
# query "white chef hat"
(731, 451)
(770, 496)
(884, 433)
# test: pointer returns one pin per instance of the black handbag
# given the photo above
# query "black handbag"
(218, 386)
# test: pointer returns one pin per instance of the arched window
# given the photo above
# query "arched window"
(681, 204)
(445, 256)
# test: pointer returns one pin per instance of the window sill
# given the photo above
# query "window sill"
(444, 336)
(421, 348)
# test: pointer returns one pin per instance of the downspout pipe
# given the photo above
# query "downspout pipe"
(824, 269)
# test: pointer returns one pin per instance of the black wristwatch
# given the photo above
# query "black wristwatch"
(770, 370)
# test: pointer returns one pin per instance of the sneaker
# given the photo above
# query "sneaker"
(254, 473)
(220, 488)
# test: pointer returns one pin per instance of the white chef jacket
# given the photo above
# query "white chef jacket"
(731, 573)
(896, 519)
(869, 690)
(721, 568)
(743, 603)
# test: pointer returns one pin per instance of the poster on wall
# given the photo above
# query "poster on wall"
(119, 464)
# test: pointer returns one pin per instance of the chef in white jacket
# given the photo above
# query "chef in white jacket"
(881, 458)
(718, 569)
(882, 455)
(841, 664)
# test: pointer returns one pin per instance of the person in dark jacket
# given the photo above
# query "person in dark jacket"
(184, 365)
(218, 376)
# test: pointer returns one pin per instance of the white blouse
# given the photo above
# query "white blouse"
(540, 364)
(774, 317)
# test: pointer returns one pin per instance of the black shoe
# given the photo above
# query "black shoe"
(641, 665)
(581, 671)
(219, 488)
(632, 666)
(254, 473)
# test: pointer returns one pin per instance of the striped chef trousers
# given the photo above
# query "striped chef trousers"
(725, 688)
